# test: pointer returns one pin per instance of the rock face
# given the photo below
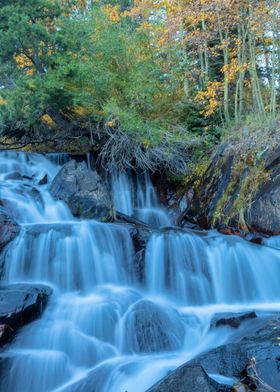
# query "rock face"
(20, 304)
(239, 190)
(83, 190)
(264, 213)
(9, 229)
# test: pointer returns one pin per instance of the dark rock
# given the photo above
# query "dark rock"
(140, 236)
(213, 186)
(262, 346)
(139, 266)
(6, 333)
(120, 217)
(233, 321)
(254, 361)
(220, 196)
(273, 159)
(83, 190)
(14, 176)
(171, 195)
(189, 378)
(9, 229)
(256, 238)
(20, 304)
(44, 180)
(152, 328)
(263, 215)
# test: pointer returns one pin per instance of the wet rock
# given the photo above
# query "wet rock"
(171, 195)
(233, 321)
(152, 328)
(139, 266)
(254, 360)
(6, 333)
(140, 236)
(20, 304)
(83, 190)
(189, 377)
(14, 176)
(44, 180)
(9, 229)
(262, 347)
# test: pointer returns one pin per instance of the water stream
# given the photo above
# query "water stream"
(102, 331)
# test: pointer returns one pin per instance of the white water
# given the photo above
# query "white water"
(137, 197)
(101, 332)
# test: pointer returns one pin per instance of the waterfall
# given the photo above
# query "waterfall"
(211, 269)
(102, 331)
(137, 197)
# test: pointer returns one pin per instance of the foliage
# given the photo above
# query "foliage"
(154, 76)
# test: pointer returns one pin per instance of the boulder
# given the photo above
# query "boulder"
(261, 350)
(9, 229)
(254, 361)
(150, 327)
(20, 304)
(83, 190)
(189, 378)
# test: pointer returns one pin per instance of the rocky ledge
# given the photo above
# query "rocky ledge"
(19, 305)
(240, 189)
(83, 191)
(252, 364)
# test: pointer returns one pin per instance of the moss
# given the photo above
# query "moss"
(256, 176)
(223, 201)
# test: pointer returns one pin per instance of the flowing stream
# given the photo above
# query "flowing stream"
(102, 331)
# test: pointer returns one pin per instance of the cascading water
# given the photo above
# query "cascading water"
(137, 197)
(102, 332)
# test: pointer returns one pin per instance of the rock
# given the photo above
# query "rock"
(273, 159)
(140, 236)
(83, 190)
(263, 215)
(211, 189)
(188, 378)
(9, 229)
(20, 304)
(152, 328)
(139, 266)
(44, 180)
(255, 361)
(233, 321)
(14, 176)
(239, 190)
(232, 360)
(6, 333)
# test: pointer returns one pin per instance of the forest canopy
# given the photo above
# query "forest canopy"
(145, 80)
